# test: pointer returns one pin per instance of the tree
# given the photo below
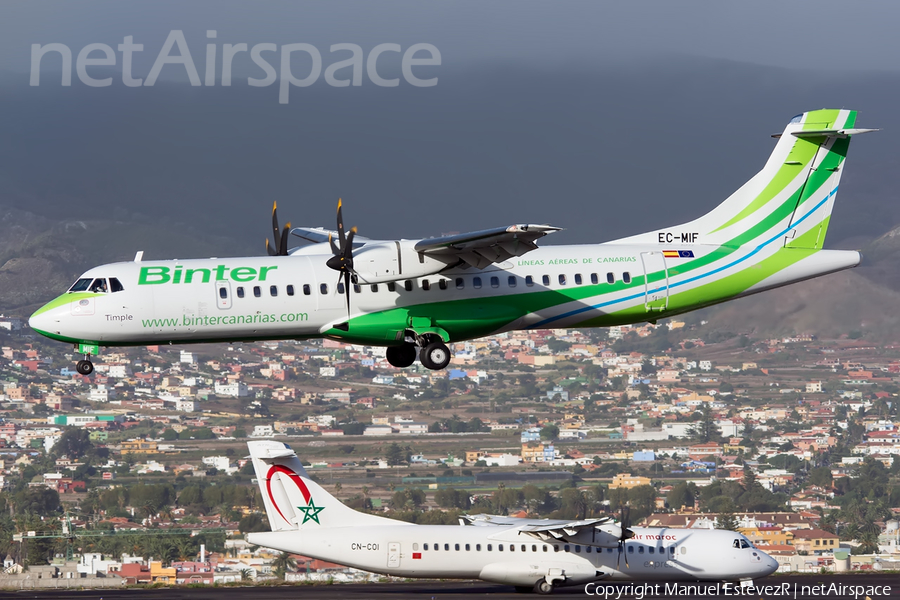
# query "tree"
(74, 443)
(283, 563)
(749, 480)
(549, 432)
(170, 435)
(727, 520)
(396, 455)
(251, 523)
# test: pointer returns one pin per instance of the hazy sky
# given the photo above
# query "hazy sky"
(827, 34)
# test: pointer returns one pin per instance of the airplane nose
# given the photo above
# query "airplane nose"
(39, 321)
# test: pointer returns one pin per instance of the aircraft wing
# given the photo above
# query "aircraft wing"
(558, 531)
(479, 249)
(319, 235)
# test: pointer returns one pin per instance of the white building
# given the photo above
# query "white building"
(187, 357)
(101, 393)
(234, 389)
(263, 431)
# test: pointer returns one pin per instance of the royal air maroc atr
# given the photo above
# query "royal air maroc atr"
(530, 554)
(416, 296)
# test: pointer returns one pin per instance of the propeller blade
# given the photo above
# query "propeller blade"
(334, 249)
(283, 248)
(269, 248)
(275, 228)
(347, 291)
(340, 225)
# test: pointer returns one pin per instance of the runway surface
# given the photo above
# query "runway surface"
(798, 587)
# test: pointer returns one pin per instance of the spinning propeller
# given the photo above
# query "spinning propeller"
(342, 261)
(279, 248)
(626, 533)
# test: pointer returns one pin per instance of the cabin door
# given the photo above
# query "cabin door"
(393, 555)
(656, 281)
(223, 294)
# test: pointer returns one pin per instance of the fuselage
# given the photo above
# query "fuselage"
(298, 296)
(507, 555)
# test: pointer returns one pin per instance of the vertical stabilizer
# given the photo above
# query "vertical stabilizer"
(294, 501)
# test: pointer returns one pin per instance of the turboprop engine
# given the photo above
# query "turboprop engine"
(381, 262)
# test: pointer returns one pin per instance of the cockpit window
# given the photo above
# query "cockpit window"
(736, 544)
(745, 544)
(80, 285)
(99, 286)
(115, 285)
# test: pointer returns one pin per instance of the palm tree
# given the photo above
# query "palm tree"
(283, 563)
(246, 574)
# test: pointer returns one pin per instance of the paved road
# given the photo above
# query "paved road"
(801, 587)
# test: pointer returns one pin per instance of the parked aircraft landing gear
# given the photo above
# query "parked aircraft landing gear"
(543, 587)
(85, 367)
(401, 356)
(435, 356)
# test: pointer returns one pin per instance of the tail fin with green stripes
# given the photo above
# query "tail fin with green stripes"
(792, 196)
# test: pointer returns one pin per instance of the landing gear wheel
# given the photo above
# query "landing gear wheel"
(435, 356)
(543, 587)
(85, 367)
(401, 356)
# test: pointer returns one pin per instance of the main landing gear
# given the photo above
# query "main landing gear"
(433, 353)
(85, 367)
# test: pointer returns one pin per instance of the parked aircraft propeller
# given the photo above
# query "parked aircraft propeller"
(342, 261)
(279, 248)
(626, 533)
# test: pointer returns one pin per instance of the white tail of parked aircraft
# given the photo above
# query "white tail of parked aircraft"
(530, 554)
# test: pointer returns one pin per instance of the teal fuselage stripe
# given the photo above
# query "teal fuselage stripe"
(697, 277)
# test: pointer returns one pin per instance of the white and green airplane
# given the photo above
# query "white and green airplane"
(416, 296)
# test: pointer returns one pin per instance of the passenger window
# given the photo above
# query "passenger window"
(392, 287)
(99, 286)
(415, 546)
(442, 284)
(447, 547)
(290, 290)
(555, 548)
(640, 549)
(477, 547)
(594, 279)
(577, 549)
(425, 546)
(511, 281)
(476, 283)
(374, 288)
(630, 549)
(529, 280)
(340, 287)
(588, 549)
(426, 285)
(407, 285)
(672, 550)
(437, 546)
(490, 548)
(357, 289)
(240, 292)
(456, 547)
(545, 547)
(323, 287)
(467, 547)
(115, 285)
(577, 278)
(626, 277)
(273, 290)
(684, 550)
(460, 283)
(652, 550)
(545, 280)
(534, 547)
(566, 547)
(610, 278)
(80, 285)
(306, 290)
(562, 279)
(499, 547)
(223, 293)
(524, 549)
(257, 292)
(495, 282)
(512, 547)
